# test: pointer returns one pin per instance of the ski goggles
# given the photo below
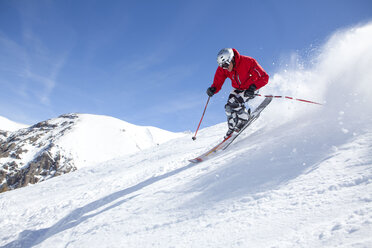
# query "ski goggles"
(224, 65)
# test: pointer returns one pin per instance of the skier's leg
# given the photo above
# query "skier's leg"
(237, 115)
(231, 119)
(242, 117)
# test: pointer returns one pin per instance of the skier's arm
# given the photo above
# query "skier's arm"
(259, 77)
(219, 79)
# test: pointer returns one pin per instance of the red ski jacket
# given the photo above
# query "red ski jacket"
(245, 73)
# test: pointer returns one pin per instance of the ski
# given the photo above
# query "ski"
(226, 142)
(205, 155)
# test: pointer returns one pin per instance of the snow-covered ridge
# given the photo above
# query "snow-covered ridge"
(95, 139)
(8, 125)
(69, 142)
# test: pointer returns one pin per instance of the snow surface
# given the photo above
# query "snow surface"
(8, 125)
(301, 176)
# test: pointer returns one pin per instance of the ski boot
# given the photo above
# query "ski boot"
(228, 133)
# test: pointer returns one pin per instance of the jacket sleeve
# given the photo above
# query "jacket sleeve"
(259, 76)
(219, 79)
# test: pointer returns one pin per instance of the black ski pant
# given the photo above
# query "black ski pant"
(235, 109)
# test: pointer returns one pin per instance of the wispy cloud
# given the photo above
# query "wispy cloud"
(32, 68)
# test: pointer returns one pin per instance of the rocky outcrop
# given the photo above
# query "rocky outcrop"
(30, 155)
(3, 136)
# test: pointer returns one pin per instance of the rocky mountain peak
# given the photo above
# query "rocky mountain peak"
(67, 143)
(31, 155)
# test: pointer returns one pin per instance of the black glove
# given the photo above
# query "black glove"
(250, 91)
(211, 91)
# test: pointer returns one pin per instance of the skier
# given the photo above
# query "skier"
(246, 76)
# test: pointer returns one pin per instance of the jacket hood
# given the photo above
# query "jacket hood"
(236, 56)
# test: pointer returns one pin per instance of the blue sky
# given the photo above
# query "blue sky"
(147, 62)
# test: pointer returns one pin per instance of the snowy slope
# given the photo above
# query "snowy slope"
(8, 125)
(301, 176)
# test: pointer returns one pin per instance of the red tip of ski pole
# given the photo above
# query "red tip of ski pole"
(194, 138)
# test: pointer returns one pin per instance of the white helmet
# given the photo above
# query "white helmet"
(224, 57)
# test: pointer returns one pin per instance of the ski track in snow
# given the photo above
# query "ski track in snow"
(299, 177)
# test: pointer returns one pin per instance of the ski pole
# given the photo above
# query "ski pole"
(205, 108)
(288, 97)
